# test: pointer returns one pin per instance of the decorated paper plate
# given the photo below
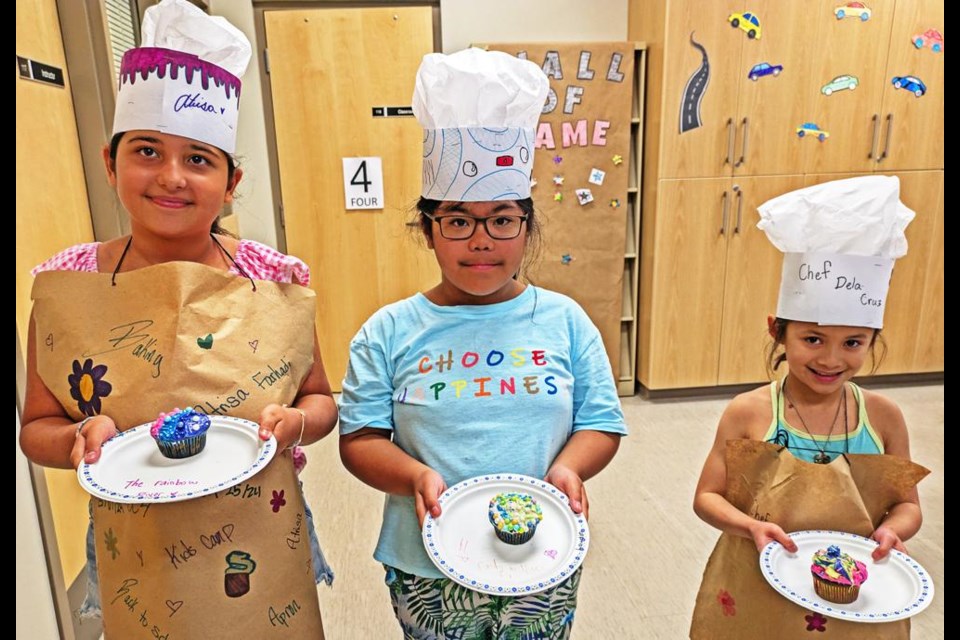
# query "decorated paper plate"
(897, 587)
(131, 468)
(465, 548)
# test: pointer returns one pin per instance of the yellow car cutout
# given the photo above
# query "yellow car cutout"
(746, 21)
(811, 129)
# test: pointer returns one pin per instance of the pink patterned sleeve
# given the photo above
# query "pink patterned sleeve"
(265, 263)
(79, 257)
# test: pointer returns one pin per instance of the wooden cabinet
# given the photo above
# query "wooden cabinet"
(876, 126)
(708, 277)
(751, 282)
(716, 280)
(682, 298)
(750, 120)
(850, 67)
(707, 150)
(746, 115)
(913, 126)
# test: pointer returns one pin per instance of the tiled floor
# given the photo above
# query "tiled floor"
(641, 509)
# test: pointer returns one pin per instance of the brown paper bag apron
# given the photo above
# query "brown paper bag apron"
(229, 565)
(768, 483)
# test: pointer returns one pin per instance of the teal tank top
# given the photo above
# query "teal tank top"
(862, 439)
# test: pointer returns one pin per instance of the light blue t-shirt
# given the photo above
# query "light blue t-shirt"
(471, 390)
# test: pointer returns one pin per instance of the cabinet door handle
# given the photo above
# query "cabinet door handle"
(736, 227)
(724, 212)
(743, 148)
(731, 132)
(886, 143)
(876, 137)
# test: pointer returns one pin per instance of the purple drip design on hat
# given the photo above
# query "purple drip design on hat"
(148, 60)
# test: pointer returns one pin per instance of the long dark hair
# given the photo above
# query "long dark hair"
(215, 228)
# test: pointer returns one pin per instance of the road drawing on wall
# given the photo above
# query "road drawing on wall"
(693, 92)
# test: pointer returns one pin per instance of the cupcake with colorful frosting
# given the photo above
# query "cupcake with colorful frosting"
(181, 434)
(514, 517)
(837, 576)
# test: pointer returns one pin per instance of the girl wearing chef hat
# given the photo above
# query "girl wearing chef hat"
(179, 314)
(483, 373)
(825, 454)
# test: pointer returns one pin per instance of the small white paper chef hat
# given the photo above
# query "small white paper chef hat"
(185, 79)
(840, 240)
(479, 111)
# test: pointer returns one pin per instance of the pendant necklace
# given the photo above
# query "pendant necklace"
(821, 457)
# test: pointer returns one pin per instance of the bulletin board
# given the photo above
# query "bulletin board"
(581, 175)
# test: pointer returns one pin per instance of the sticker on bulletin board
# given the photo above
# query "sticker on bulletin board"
(363, 183)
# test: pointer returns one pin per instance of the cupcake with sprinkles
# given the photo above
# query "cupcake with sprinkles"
(837, 576)
(181, 434)
(514, 517)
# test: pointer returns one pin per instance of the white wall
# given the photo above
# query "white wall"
(462, 22)
(467, 21)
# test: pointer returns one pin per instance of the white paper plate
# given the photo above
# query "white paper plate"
(463, 545)
(132, 470)
(897, 587)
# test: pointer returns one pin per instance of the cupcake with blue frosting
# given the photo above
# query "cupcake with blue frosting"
(181, 433)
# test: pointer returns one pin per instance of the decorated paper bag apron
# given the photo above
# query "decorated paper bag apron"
(768, 483)
(230, 565)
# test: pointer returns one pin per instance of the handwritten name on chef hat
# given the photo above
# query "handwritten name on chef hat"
(840, 240)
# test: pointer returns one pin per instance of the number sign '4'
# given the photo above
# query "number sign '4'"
(363, 183)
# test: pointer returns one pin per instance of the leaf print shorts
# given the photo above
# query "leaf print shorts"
(441, 609)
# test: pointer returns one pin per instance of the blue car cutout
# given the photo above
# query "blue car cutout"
(764, 69)
(912, 84)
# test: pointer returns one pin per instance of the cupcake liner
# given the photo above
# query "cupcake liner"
(510, 511)
(511, 537)
(184, 448)
(236, 584)
(835, 592)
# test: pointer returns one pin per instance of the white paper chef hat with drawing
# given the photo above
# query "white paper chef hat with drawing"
(185, 79)
(479, 111)
(840, 240)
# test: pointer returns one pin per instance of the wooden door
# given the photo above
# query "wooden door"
(913, 135)
(52, 214)
(773, 101)
(847, 47)
(682, 304)
(329, 67)
(708, 149)
(752, 281)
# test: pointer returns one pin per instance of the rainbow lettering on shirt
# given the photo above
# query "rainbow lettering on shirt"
(446, 375)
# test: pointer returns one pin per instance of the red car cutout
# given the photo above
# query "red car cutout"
(930, 37)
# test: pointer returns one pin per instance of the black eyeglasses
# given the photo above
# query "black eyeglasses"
(462, 227)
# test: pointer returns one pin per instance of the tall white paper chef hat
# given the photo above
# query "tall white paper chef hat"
(479, 111)
(185, 79)
(840, 240)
